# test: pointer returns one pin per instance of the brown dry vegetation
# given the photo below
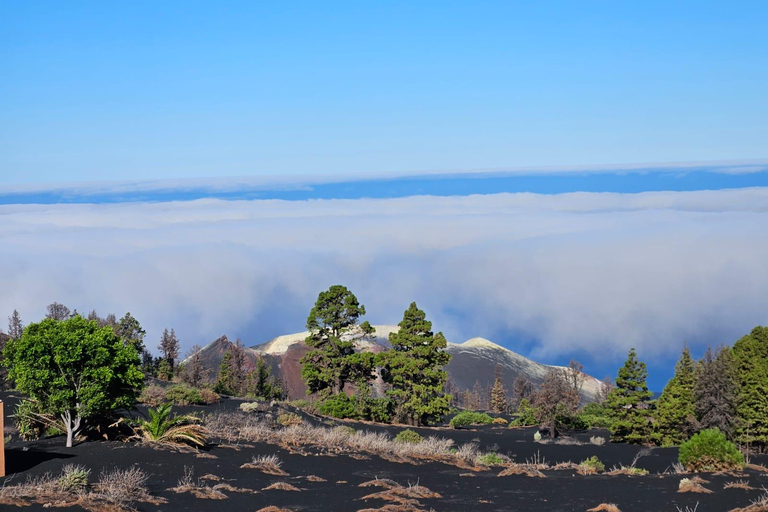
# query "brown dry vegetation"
(281, 486)
(739, 484)
(605, 507)
(693, 485)
(522, 469)
(268, 464)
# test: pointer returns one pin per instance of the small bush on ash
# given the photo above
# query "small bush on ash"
(338, 406)
(163, 427)
(408, 436)
(490, 459)
(525, 416)
(591, 465)
(499, 421)
(467, 418)
(183, 395)
(709, 450)
(152, 395)
(289, 419)
(208, 397)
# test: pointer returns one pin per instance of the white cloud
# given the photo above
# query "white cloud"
(573, 273)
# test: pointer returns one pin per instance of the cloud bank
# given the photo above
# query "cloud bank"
(551, 276)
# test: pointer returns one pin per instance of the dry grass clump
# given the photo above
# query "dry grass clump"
(522, 469)
(281, 486)
(122, 487)
(381, 482)
(693, 485)
(739, 484)
(268, 464)
(198, 488)
(273, 508)
(597, 441)
(627, 470)
(391, 507)
(756, 467)
(605, 507)
(758, 505)
(403, 496)
(313, 478)
(232, 488)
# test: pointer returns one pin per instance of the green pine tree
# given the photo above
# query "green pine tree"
(224, 384)
(628, 403)
(750, 355)
(676, 412)
(413, 368)
(332, 326)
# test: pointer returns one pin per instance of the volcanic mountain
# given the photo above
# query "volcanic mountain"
(473, 361)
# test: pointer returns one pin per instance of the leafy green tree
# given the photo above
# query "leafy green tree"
(333, 327)
(675, 410)
(628, 403)
(74, 369)
(413, 368)
(750, 355)
(715, 391)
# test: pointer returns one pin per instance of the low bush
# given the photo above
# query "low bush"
(597, 440)
(499, 421)
(74, 478)
(468, 418)
(153, 396)
(289, 419)
(490, 459)
(305, 405)
(163, 427)
(525, 416)
(591, 465)
(250, 406)
(344, 429)
(338, 406)
(595, 415)
(208, 397)
(408, 436)
(709, 450)
(183, 395)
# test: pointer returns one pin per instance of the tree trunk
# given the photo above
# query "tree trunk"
(552, 429)
(72, 425)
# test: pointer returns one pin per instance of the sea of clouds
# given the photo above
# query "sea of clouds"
(588, 274)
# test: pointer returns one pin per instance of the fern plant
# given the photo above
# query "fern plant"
(162, 427)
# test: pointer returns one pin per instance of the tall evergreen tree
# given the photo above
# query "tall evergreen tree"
(413, 368)
(750, 354)
(15, 326)
(169, 347)
(675, 412)
(498, 392)
(715, 391)
(225, 382)
(333, 327)
(261, 383)
(628, 403)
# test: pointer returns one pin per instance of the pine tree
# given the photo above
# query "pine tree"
(169, 347)
(498, 393)
(715, 391)
(413, 368)
(57, 311)
(15, 327)
(628, 403)
(332, 326)
(750, 354)
(261, 383)
(224, 382)
(675, 412)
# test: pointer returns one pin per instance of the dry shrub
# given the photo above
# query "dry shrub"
(627, 470)
(597, 441)
(605, 507)
(123, 486)
(756, 467)
(198, 488)
(281, 486)
(209, 397)
(273, 508)
(268, 464)
(203, 455)
(739, 484)
(564, 466)
(390, 507)
(406, 496)
(152, 395)
(313, 478)
(211, 477)
(758, 505)
(231, 488)
(522, 469)
(381, 482)
(693, 485)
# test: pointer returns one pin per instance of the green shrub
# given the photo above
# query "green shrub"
(73, 478)
(596, 416)
(183, 395)
(289, 419)
(467, 418)
(709, 450)
(338, 406)
(490, 459)
(525, 416)
(32, 423)
(375, 409)
(408, 436)
(592, 465)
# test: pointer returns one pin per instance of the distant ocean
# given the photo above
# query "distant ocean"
(449, 184)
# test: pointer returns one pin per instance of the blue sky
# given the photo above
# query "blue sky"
(567, 179)
(145, 90)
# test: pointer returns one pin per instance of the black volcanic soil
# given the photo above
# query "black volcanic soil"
(483, 491)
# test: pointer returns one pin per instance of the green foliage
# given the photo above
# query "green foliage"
(408, 436)
(73, 478)
(490, 459)
(467, 418)
(162, 427)
(413, 368)
(306, 405)
(164, 370)
(181, 394)
(332, 326)
(289, 419)
(709, 450)
(526, 415)
(224, 383)
(592, 465)
(675, 409)
(261, 384)
(338, 406)
(595, 415)
(32, 422)
(74, 369)
(750, 355)
(628, 403)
